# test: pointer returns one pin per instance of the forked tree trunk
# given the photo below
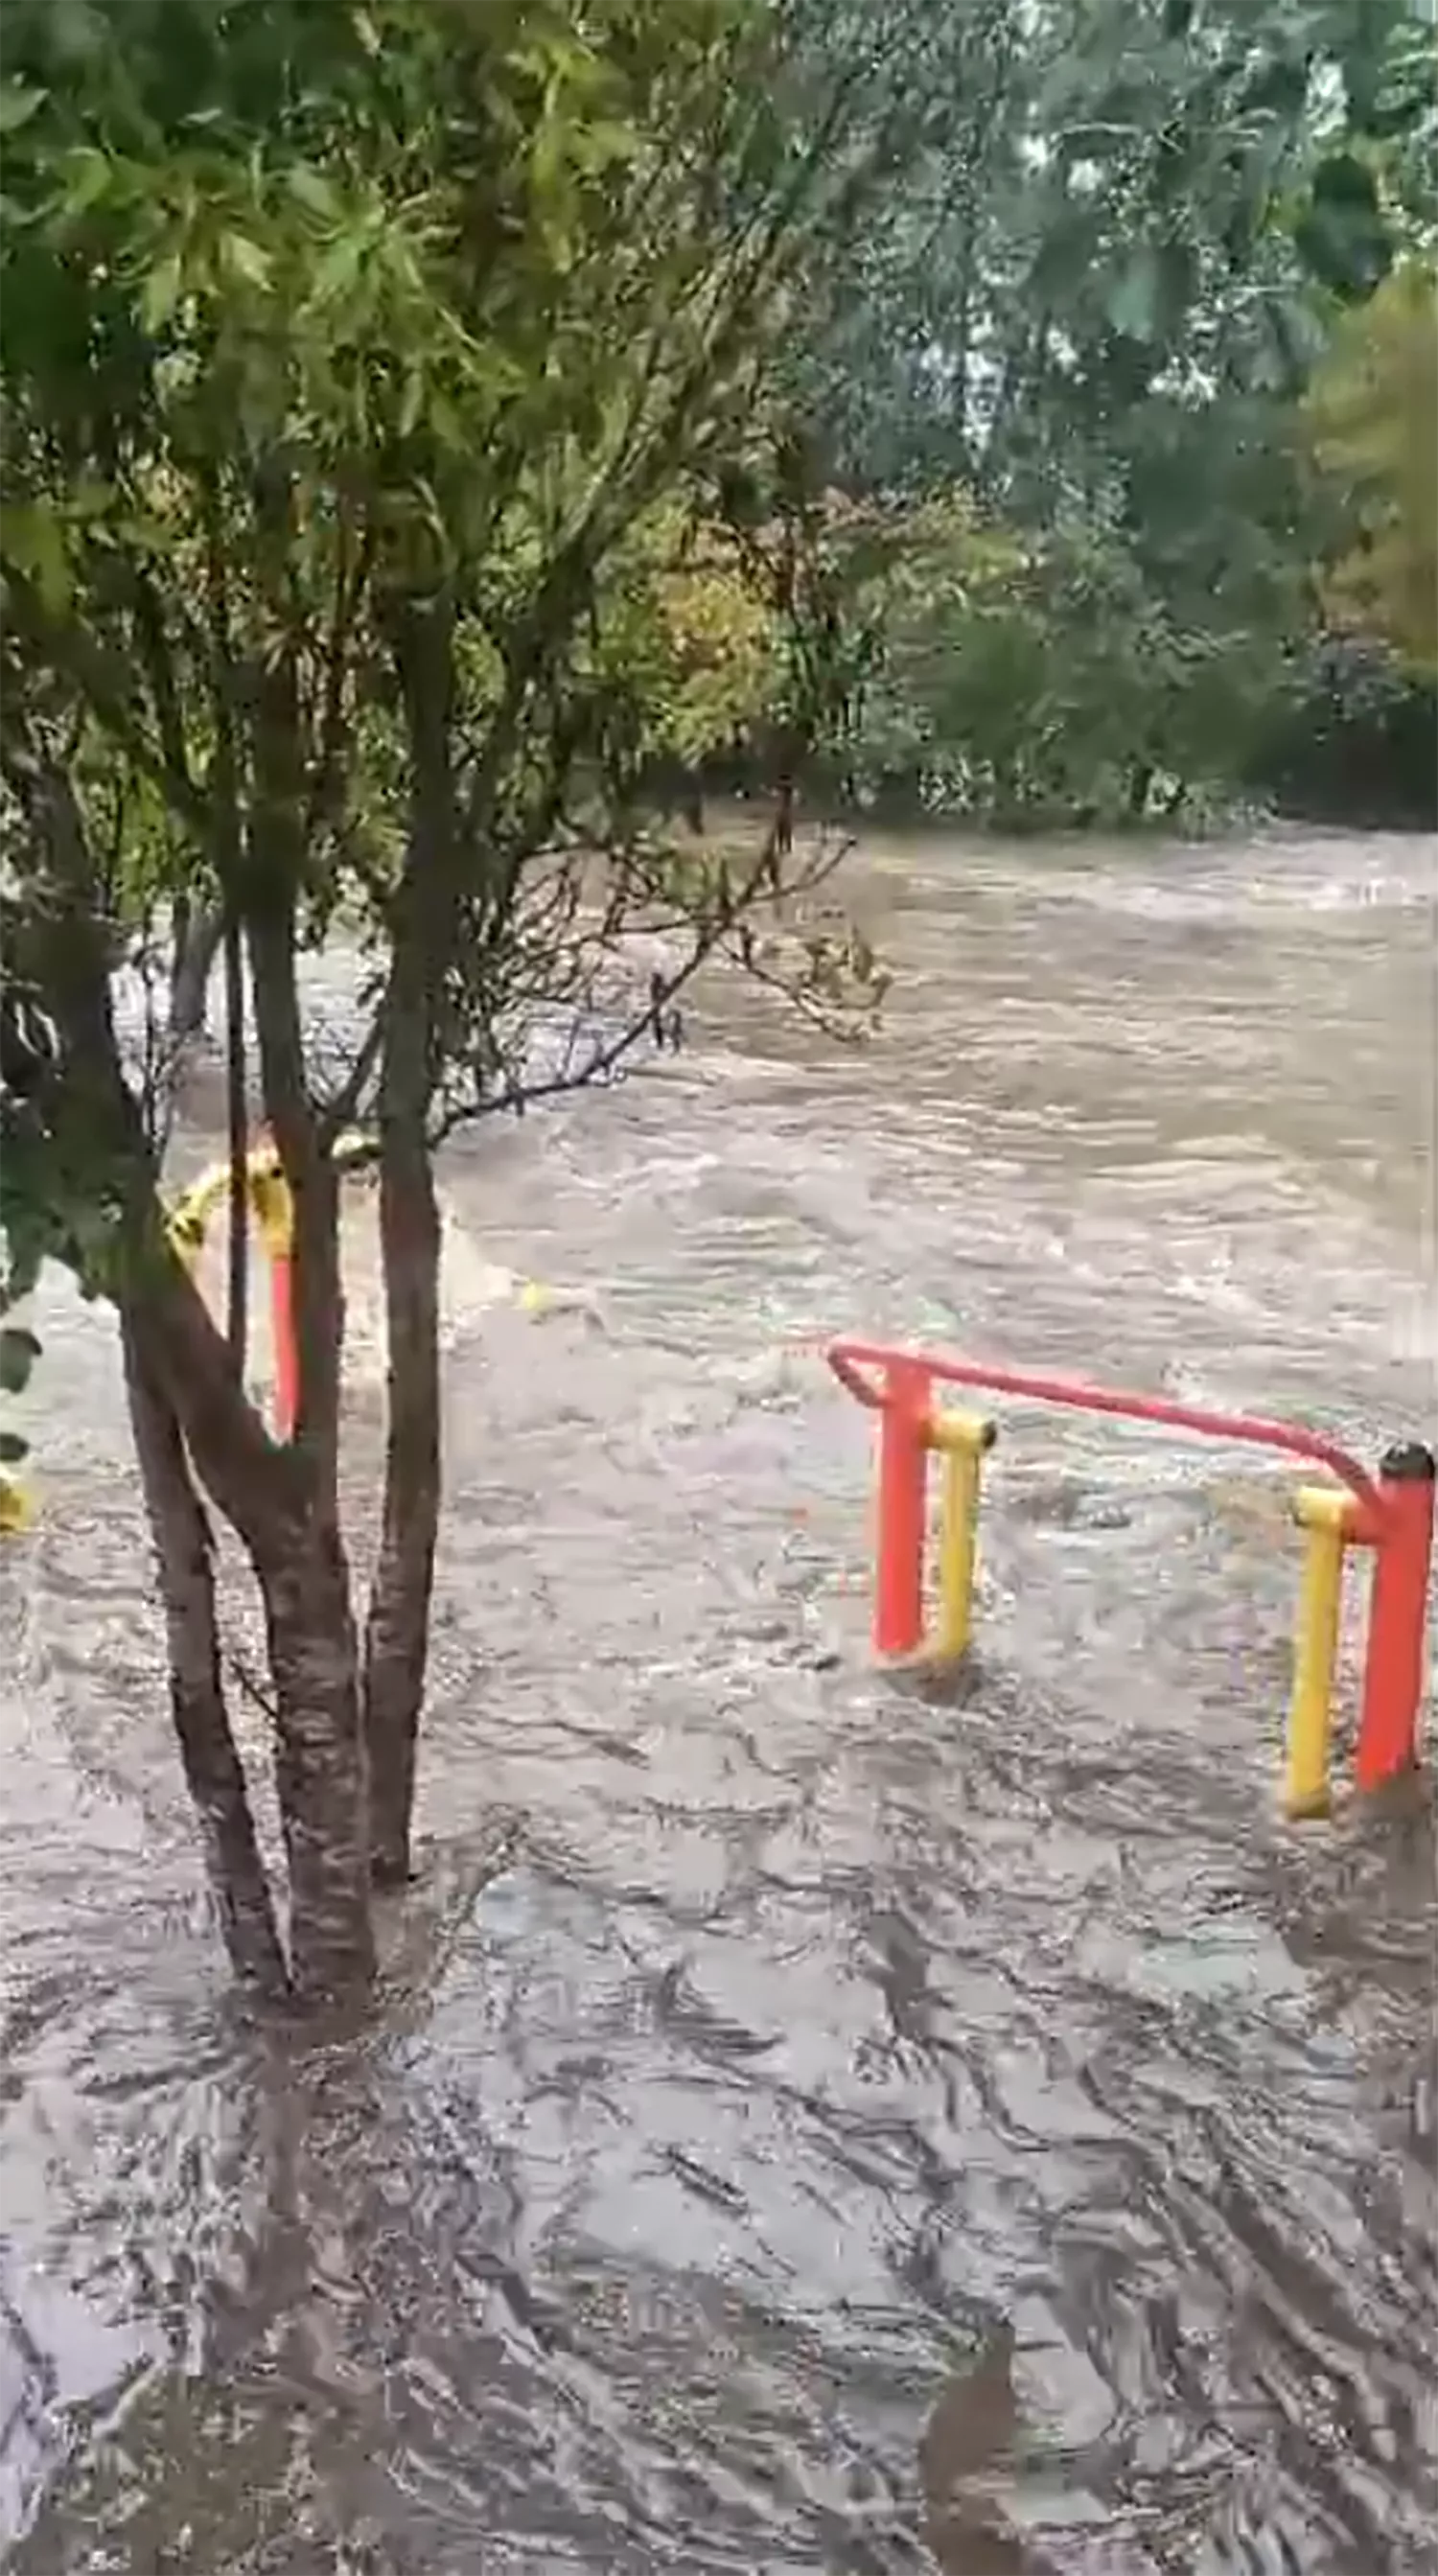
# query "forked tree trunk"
(273, 1499)
(397, 1629)
(214, 1773)
(188, 1405)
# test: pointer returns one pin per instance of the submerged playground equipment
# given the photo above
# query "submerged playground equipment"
(271, 1212)
(1389, 1513)
(268, 1197)
(268, 1194)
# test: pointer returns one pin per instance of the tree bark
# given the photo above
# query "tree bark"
(299, 1564)
(422, 932)
(1140, 780)
(397, 1628)
(282, 1501)
(237, 1122)
(313, 1648)
(320, 1767)
(197, 944)
(214, 1773)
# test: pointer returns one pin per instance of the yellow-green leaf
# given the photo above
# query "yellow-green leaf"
(245, 259)
(411, 402)
(18, 105)
(161, 292)
(32, 538)
(312, 190)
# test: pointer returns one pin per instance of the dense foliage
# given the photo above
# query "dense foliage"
(1129, 250)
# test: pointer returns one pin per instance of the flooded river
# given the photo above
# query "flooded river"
(812, 2122)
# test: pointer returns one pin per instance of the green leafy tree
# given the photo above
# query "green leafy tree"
(1109, 257)
(1105, 202)
(357, 362)
(1036, 677)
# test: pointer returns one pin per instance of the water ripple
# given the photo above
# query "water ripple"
(813, 2123)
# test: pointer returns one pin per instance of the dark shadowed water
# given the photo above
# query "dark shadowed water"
(806, 2113)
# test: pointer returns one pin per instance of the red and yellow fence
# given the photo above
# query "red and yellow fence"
(268, 1196)
(1388, 1514)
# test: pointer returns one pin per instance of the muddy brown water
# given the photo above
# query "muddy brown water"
(809, 2118)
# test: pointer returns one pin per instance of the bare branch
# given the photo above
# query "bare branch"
(711, 934)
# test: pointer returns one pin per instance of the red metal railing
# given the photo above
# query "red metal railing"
(1391, 1513)
(846, 1358)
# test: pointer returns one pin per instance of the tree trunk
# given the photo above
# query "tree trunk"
(397, 1629)
(423, 928)
(187, 1405)
(214, 1773)
(313, 1648)
(320, 1767)
(237, 1126)
(197, 944)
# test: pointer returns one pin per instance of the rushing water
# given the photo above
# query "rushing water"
(810, 2118)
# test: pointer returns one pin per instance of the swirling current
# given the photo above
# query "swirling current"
(812, 2122)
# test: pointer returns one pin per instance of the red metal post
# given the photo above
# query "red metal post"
(1397, 1618)
(282, 1321)
(902, 1507)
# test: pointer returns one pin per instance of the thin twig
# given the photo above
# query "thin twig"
(251, 1688)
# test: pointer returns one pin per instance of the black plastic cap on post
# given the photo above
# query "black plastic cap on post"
(1408, 1464)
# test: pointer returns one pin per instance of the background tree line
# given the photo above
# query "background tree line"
(1134, 362)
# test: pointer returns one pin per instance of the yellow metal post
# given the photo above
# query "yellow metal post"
(187, 1235)
(1323, 1515)
(962, 1440)
(270, 1201)
(190, 1217)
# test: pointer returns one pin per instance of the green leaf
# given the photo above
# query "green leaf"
(18, 105)
(411, 402)
(76, 30)
(246, 260)
(19, 1350)
(1343, 238)
(312, 190)
(14, 1448)
(161, 293)
(339, 267)
(89, 176)
(32, 538)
